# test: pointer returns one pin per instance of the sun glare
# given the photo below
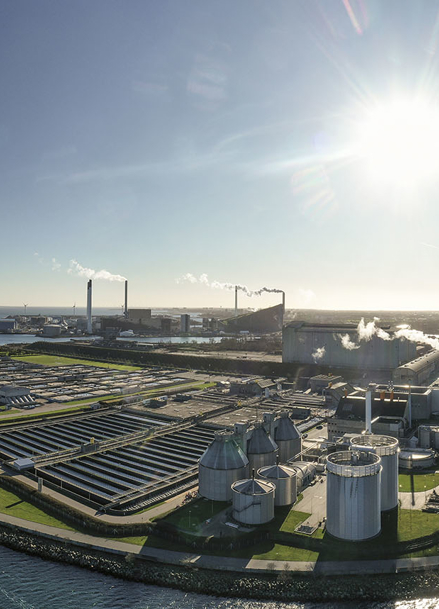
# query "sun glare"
(399, 142)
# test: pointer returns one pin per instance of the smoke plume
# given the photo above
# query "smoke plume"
(218, 285)
(365, 332)
(318, 354)
(81, 271)
(347, 343)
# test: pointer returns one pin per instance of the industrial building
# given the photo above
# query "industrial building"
(12, 396)
(7, 325)
(185, 323)
(419, 370)
(301, 340)
(262, 321)
(390, 415)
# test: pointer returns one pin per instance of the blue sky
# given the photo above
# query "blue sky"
(155, 139)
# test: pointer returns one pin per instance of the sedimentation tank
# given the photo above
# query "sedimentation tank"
(387, 448)
(261, 449)
(284, 478)
(222, 463)
(287, 438)
(353, 495)
(253, 501)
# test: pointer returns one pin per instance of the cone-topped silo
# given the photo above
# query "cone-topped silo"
(261, 449)
(222, 463)
(253, 501)
(287, 438)
(284, 478)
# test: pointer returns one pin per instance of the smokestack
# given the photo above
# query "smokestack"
(369, 398)
(89, 294)
(126, 298)
(236, 300)
(283, 302)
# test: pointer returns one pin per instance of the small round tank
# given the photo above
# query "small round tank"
(253, 501)
(424, 436)
(387, 448)
(287, 438)
(261, 449)
(222, 463)
(353, 495)
(417, 458)
(284, 478)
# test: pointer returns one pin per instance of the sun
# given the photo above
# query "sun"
(398, 142)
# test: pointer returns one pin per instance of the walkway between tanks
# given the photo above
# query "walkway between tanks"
(220, 563)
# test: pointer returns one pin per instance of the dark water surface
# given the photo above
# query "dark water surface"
(28, 582)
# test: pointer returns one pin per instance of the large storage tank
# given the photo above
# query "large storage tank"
(387, 448)
(353, 495)
(222, 463)
(287, 438)
(305, 473)
(284, 478)
(261, 449)
(253, 501)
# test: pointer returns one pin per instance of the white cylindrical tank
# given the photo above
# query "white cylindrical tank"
(353, 495)
(222, 463)
(387, 448)
(261, 449)
(287, 438)
(424, 436)
(253, 501)
(418, 458)
(284, 478)
(305, 473)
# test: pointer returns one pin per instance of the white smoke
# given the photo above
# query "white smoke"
(347, 343)
(318, 354)
(219, 285)
(81, 271)
(365, 333)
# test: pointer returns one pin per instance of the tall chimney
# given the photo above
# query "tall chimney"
(369, 398)
(283, 302)
(126, 298)
(236, 300)
(89, 293)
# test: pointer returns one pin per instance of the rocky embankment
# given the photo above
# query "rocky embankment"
(279, 586)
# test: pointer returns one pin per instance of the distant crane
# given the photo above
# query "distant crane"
(25, 308)
(74, 309)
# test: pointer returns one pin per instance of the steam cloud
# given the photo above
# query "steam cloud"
(218, 285)
(318, 354)
(81, 271)
(365, 332)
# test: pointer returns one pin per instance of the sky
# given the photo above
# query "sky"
(288, 144)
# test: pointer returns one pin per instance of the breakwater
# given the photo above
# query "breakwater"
(285, 586)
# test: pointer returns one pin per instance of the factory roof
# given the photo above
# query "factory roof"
(353, 407)
(326, 327)
(422, 362)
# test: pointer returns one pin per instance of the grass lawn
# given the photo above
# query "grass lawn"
(57, 360)
(14, 506)
(189, 517)
(418, 482)
(414, 523)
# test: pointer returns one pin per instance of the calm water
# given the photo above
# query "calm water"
(31, 583)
